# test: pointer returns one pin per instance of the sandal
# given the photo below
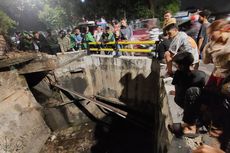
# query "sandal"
(193, 140)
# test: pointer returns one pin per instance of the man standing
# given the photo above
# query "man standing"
(168, 19)
(202, 38)
(126, 33)
(63, 41)
(78, 38)
(193, 27)
(106, 37)
(181, 42)
(52, 42)
(98, 33)
(164, 43)
(88, 37)
(40, 41)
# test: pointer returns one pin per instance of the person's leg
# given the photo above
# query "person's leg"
(196, 66)
(168, 58)
(191, 109)
(118, 48)
(160, 51)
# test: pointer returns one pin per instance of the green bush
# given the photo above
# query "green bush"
(6, 23)
(171, 5)
(53, 17)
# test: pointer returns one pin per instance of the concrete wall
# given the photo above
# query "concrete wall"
(135, 81)
(132, 80)
(22, 129)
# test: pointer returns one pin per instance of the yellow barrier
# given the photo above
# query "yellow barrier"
(125, 43)
(123, 49)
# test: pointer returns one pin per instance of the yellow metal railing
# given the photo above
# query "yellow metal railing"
(125, 43)
(122, 49)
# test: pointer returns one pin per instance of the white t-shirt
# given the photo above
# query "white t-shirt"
(181, 43)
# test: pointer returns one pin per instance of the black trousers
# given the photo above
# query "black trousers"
(162, 47)
(205, 106)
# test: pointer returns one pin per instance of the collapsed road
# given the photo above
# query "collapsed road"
(128, 111)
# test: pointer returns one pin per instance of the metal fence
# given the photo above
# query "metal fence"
(114, 46)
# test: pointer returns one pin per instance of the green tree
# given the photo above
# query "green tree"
(59, 13)
(142, 11)
(174, 6)
(162, 6)
(6, 23)
(53, 17)
(23, 12)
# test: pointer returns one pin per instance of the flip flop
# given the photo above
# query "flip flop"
(191, 135)
(193, 140)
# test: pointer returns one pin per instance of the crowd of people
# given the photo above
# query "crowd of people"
(75, 39)
(205, 103)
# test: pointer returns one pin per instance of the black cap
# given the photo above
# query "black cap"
(205, 13)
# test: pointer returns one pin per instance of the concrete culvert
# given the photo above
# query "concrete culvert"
(130, 84)
(101, 104)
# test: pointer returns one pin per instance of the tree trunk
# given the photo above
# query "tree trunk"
(152, 7)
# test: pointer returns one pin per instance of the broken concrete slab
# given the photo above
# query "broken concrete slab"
(22, 123)
(7, 62)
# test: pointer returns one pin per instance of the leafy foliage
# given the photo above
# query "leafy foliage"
(110, 9)
(143, 11)
(24, 12)
(33, 14)
(6, 23)
(171, 5)
(53, 17)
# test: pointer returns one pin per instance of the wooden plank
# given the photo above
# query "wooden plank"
(110, 108)
(109, 100)
(117, 111)
(14, 61)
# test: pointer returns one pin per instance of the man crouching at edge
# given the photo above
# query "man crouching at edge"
(181, 42)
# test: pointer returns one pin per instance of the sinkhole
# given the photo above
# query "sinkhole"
(102, 104)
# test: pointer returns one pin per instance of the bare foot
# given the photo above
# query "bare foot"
(215, 133)
(188, 129)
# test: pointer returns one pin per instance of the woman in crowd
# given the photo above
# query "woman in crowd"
(217, 51)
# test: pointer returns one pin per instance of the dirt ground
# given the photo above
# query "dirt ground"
(77, 139)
